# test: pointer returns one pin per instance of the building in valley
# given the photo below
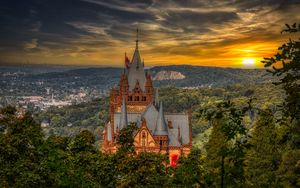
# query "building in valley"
(134, 101)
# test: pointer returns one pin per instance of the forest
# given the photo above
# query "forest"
(253, 139)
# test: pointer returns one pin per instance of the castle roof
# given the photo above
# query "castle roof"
(156, 98)
(173, 137)
(180, 121)
(150, 114)
(161, 126)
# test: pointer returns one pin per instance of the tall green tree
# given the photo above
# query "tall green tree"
(19, 156)
(263, 158)
(286, 67)
(226, 147)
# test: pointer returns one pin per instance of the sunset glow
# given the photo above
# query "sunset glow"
(96, 32)
(249, 62)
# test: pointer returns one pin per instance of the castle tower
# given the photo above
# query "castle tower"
(134, 102)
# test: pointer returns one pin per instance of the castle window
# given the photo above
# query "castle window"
(137, 90)
(136, 98)
(130, 98)
(143, 139)
(143, 98)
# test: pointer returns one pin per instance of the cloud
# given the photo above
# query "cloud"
(120, 5)
(36, 26)
(31, 44)
(91, 28)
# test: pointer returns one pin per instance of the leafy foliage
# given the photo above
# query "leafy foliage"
(125, 138)
(190, 170)
(19, 158)
(286, 65)
(226, 147)
(263, 158)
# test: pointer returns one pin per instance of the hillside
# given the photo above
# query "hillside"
(96, 79)
(198, 76)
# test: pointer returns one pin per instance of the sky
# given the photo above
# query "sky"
(226, 33)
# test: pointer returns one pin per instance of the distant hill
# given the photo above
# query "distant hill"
(197, 76)
(105, 78)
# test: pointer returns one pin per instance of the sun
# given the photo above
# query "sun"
(249, 62)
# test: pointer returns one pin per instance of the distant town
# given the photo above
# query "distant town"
(28, 91)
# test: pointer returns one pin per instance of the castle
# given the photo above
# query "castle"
(134, 101)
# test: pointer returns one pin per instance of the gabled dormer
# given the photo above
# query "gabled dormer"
(143, 137)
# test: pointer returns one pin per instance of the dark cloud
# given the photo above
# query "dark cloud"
(198, 21)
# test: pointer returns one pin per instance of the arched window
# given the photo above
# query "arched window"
(143, 139)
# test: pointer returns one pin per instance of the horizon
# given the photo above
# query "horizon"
(71, 66)
(98, 33)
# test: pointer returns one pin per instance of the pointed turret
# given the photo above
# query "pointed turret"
(161, 126)
(136, 70)
(123, 116)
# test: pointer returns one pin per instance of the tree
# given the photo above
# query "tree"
(125, 138)
(289, 169)
(288, 72)
(190, 170)
(70, 162)
(84, 141)
(286, 66)
(19, 156)
(226, 147)
(263, 157)
(143, 170)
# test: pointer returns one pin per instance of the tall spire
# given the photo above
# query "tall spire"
(161, 127)
(136, 69)
(137, 39)
(123, 116)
